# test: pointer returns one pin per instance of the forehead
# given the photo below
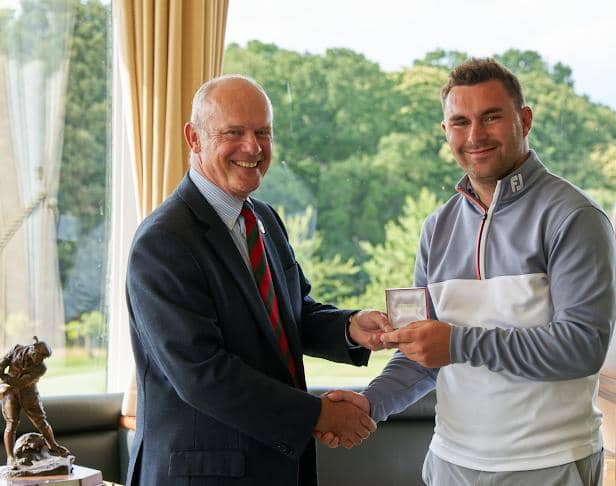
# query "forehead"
(239, 104)
(468, 100)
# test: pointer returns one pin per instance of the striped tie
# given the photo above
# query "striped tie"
(263, 278)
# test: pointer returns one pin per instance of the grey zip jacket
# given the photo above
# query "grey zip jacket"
(529, 286)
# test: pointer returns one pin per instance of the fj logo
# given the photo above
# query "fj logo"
(517, 183)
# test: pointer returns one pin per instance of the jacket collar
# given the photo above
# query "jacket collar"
(514, 185)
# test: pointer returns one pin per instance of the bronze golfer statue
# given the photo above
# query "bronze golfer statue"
(20, 370)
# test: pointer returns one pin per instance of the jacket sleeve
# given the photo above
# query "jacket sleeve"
(581, 273)
(175, 325)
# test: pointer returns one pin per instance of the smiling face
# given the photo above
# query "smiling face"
(234, 148)
(486, 132)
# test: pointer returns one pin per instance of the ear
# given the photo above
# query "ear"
(527, 119)
(444, 128)
(192, 138)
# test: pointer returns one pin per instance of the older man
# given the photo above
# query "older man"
(221, 314)
(520, 266)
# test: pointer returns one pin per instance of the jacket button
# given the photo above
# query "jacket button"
(282, 447)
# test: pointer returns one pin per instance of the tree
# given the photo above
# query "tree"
(359, 195)
(326, 108)
(83, 172)
(331, 278)
(90, 328)
(390, 264)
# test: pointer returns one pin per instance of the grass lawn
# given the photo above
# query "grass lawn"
(322, 373)
(72, 371)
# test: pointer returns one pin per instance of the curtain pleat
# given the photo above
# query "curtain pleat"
(169, 48)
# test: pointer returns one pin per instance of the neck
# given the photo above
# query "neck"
(485, 191)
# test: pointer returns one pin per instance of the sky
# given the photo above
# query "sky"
(394, 33)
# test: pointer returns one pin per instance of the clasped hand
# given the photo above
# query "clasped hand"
(425, 342)
(367, 328)
(344, 420)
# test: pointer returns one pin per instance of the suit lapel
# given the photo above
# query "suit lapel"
(219, 239)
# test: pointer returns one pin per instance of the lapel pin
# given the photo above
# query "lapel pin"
(261, 227)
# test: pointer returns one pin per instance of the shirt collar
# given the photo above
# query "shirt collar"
(226, 206)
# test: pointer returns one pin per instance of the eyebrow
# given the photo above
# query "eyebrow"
(488, 111)
(242, 127)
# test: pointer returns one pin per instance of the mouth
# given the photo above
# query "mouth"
(480, 151)
(246, 164)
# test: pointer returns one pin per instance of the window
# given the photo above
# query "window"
(54, 140)
(360, 159)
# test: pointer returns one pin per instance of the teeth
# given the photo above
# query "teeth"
(246, 165)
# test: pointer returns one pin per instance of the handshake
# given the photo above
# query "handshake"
(344, 420)
(345, 415)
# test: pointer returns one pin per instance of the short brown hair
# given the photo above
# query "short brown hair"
(478, 70)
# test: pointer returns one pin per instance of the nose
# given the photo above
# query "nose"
(477, 132)
(251, 144)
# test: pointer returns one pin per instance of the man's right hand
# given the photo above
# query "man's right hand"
(355, 398)
(343, 422)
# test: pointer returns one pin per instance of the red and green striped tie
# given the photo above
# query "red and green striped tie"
(263, 278)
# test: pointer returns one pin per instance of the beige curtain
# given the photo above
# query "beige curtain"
(167, 48)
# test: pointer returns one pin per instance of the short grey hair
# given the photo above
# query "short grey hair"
(199, 106)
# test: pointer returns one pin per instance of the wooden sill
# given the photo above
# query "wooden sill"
(128, 422)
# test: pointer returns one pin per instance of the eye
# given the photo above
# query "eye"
(459, 123)
(491, 118)
(263, 133)
(234, 132)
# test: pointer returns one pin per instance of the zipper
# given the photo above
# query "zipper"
(486, 219)
(483, 233)
(479, 246)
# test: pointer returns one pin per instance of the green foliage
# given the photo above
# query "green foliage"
(390, 264)
(330, 278)
(441, 58)
(83, 170)
(357, 196)
(90, 329)
(40, 31)
(283, 188)
(326, 108)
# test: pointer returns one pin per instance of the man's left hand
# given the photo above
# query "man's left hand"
(367, 327)
(425, 342)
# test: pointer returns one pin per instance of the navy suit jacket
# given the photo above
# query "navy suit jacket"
(216, 402)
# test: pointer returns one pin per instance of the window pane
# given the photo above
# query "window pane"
(54, 140)
(360, 159)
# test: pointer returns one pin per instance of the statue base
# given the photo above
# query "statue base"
(47, 465)
(79, 476)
